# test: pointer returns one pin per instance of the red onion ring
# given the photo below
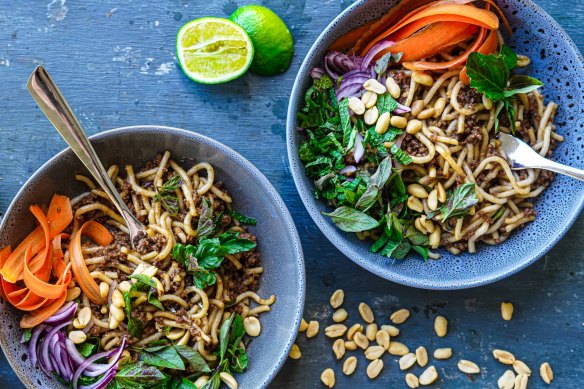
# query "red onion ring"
(358, 150)
(348, 169)
(33, 343)
(376, 49)
(65, 313)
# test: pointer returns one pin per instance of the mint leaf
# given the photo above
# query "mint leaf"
(401, 156)
(386, 103)
(166, 196)
(345, 120)
(459, 202)
(351, 220)
(205, 225)
(422, 250)
(26, 335)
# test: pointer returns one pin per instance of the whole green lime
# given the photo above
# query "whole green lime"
(272, 41)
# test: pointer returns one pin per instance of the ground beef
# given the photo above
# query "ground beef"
(469, 97)
(529, 212)
(413, 146)
(545, 178)
(147, 244)
(112, 252)
(460, 245)
(533, 113)
(492, 151)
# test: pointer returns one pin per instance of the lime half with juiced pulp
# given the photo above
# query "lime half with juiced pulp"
(213, 50)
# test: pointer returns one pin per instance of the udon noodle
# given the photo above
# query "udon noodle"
(191, 316)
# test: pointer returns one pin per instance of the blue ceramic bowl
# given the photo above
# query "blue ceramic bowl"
(557, 62)
(279, 244)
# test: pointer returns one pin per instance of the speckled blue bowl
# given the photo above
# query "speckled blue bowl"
(253, 195)
(557, 62)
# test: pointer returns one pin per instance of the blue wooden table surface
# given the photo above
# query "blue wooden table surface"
(115, 62)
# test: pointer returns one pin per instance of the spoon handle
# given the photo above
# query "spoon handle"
(55, 107)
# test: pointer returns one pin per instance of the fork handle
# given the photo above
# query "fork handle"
(47, 95)
(561, 169)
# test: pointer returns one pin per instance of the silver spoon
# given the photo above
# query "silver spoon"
(521, 156)
(48, 97)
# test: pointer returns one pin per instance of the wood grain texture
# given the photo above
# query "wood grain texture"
(115, 62)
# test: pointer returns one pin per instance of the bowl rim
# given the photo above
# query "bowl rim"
(228, 152)
(348, 249)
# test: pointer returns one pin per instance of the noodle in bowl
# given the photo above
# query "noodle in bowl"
(519, 215)
(251, 282)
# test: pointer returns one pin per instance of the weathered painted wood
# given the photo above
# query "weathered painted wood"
(114, 60)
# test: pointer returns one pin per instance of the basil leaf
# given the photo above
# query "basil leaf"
(232, 244)
(238, 359)
(153, 299)
(375, 185)
(185, 384)
(166, 357)
(242, 218)
(416, 237)
(224, 336)
(352, 139)
(195, 360)
(423, 251)
(205, 225)
(394, 227)
(510, 114)
(386, 103)
(379, 243)
(522, 84)
(382, 64)
(499, 213)
(204, 278)
(139, 374)
(351, 220)
(237, 330)
(488, 74)
(459, 202)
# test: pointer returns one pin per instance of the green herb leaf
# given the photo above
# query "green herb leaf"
(89, 347)
(345, 120)
(383, 63)
(386, 103)
(488, 74)
(351, 220)
(138, 374)
(522, 84)
(185, 384)
(195, 360)
(166, 357)
(166, 196)
(401, 156)
(224, 336)
(325, 82)
(509, 57)
(204, 278)
(375, 185)
(26, 335)
(205, 225)
(498, 110)
(242, 218)
(459, 202)
(422, 250)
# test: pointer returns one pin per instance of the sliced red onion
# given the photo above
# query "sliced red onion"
(33, 343)
(102, 382)
(66, 312)
(112, 288)
(401, 109)
(350, 179)
(351, 91)
(88, 326)
(77, 358)
(105, 369)
(316, 73)
(49, 342)
(376, 49)
(348, 169)
(337, 64)
(59, 362)
(358, 150)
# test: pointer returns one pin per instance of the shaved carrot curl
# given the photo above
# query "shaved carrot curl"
(100, 235)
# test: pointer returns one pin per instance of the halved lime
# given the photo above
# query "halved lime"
(213, 50)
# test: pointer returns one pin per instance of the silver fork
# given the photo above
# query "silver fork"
(48, 97)
(521, 156)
